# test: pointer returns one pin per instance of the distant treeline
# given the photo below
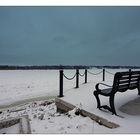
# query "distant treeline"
(53, 67)
(57, 67)
(118, 67)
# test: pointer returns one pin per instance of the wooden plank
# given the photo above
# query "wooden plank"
(24, 124)
(64, 106)
(99, 119)
(25, 127)
(8, 122)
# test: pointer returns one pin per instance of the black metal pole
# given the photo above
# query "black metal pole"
(77, 78)
(85, 75)
(129, 70)
(103, 74)
(61, 83)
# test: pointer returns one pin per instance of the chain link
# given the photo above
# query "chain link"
(94, 73)
(109, 72)
(82, 74)
(68, 77)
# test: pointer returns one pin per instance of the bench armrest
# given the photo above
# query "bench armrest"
(97, 86)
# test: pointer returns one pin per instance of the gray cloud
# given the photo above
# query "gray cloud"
(70, 35)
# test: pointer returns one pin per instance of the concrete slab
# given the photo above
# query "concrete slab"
(64, 106)
(21, 123)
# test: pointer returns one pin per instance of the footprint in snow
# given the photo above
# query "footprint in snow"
(79, 127)
(51, 122)
(61, 128)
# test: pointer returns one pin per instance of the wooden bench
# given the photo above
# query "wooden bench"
(122, 82)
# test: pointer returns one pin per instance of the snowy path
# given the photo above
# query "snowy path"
(83, 98)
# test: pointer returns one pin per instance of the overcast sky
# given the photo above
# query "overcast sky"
(70, 35)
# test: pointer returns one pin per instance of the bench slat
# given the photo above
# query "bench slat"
(134, 79)
(123, 81)
(133, 86)
(127, 82)
(124, 78)
(106, 91)
(134, 76)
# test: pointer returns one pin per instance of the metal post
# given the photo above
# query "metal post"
(77, 78)
(61, 83)
(129, 70)
(103, 74)
(85, 75)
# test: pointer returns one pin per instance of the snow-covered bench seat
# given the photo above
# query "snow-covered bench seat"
(121, 83)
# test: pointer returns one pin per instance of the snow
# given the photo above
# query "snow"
(22, 89)
(45, 119)
(10, 130)
(29, 84)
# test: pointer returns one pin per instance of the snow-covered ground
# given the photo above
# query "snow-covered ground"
(17, 86)
(44, 119)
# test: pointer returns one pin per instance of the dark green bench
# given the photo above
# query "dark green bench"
(123, 81)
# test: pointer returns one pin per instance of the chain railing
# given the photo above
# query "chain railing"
(81, 74)
(77, 74)
(109, 72)
(68, 77)
(101, 72)
(94, 73)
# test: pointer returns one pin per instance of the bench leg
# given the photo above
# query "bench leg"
(111, 101)
(97, 98)
(138, 91)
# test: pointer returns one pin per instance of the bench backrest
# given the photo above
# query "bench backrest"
(126, 80)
